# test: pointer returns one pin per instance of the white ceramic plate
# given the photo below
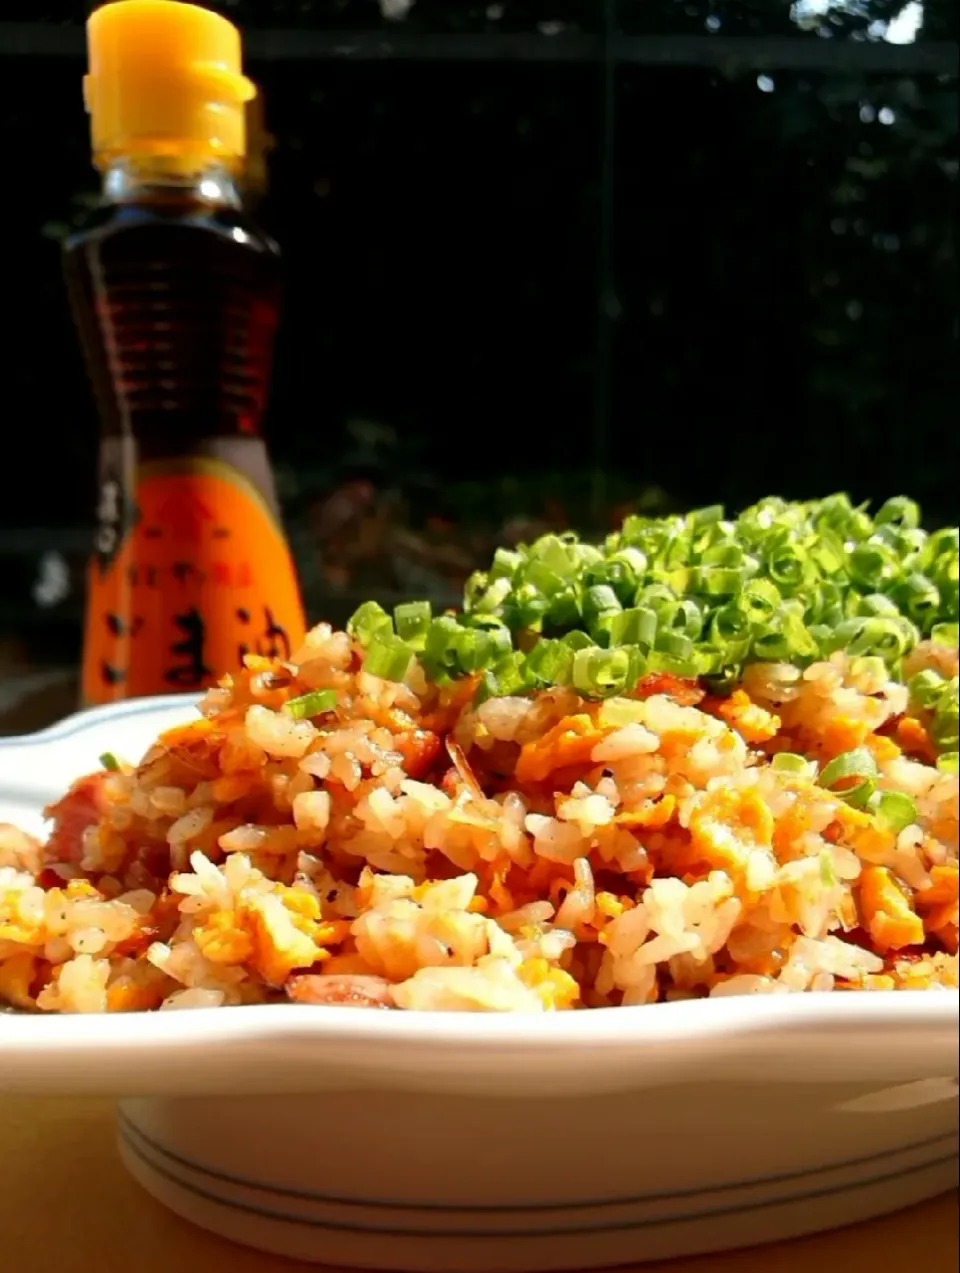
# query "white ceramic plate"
(460, 1142)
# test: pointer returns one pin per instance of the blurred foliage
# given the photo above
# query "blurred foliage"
(783, 308)
(842, 233)
(838, 19)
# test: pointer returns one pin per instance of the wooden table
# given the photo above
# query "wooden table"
(67, 1206)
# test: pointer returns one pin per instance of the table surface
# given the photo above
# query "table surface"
(67, 1206)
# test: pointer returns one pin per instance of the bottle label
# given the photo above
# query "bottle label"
(185, 580)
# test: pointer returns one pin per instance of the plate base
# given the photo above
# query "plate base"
(517, 1241)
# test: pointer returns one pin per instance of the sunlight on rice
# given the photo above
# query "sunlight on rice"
(529, 854)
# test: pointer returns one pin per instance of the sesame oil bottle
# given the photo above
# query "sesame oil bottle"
(175, 293)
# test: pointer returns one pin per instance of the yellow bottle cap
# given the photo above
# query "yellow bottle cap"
(165, 83)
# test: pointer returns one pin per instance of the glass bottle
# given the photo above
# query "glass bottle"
(175, 293)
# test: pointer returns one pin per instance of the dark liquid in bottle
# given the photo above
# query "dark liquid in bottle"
(177, 307)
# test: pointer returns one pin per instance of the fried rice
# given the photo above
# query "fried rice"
(412, 844)
(411, 850)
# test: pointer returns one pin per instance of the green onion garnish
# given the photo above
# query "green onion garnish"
(509, 676)
(927, 688)
(109, 761)
(370, 618)
(945, 726)
(411, 621)
(551, 662)
(700, 595)
(313, 704)
(899, 511)
(857, 772)
(600, 673)
(789, 762)
(894, 808)
(388, 657)
(918, 598)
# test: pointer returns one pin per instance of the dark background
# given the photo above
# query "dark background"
(548, 259)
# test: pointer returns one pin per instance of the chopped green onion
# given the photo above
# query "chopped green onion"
(828, 554)
(525, 607)
(697, 595)
(873, 564)
(563, 610)
(945, 726)
(857, 771)
(705, 516)
(315, 703)
(599, 602)
(926, 688)
(544, 580)
(717, 581)
(411, 620)
(789, 762)
(476, 589)
(577, 640)
(557, 555)
(498, 641)
(786, 638)
(889, 636)
(919, 598)
(874, 603)
(505, 564)
(440, 655)
(787, 565)
(109, 761)
(729, 554)
(687, 619)
(676, 665)
(367, 620)
(828, 870)
(658, 597)
(636, 626)
(731, 623)
(600, 673)
(476, 648)
(899, 511)
(848, 764)
(894, 808)
(551, 662)
(622, 571)
(508, 677)
(388, 657)
(675, 644)
(483, 598)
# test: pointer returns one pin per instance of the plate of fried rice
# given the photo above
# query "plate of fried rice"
(672, 816)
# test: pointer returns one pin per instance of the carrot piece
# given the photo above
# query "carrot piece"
(886, 911)
(945, 887)
(570, 742)
(915, 740)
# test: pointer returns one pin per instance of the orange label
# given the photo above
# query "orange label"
(203, 577)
